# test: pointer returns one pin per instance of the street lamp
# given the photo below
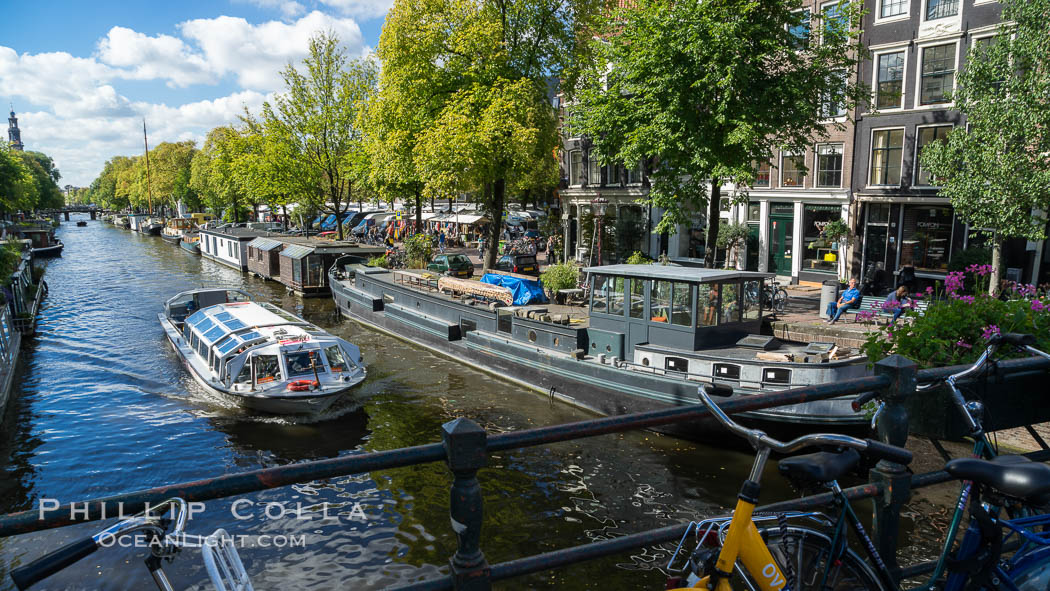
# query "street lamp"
(598, 206)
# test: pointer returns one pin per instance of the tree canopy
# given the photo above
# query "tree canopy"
(996, 168)
(703, 90)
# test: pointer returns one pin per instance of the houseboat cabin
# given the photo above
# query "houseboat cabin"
(264, 257)
(304, 263)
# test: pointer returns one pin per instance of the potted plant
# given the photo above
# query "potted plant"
(836, 232)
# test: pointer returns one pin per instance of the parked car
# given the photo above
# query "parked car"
(522, 264)
(457, 265)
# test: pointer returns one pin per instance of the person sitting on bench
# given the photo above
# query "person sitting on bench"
(849, 299)
(895, 301)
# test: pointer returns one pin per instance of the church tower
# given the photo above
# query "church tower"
(14, 135)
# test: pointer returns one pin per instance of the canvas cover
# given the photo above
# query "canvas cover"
(524, 291)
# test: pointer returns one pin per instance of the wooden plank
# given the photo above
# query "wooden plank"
(768, 356)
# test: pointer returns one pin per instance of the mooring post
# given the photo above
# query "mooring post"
(895, 479)
(66, 214)
(465, 443)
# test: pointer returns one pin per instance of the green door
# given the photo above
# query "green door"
(751, 263)
(781, 230)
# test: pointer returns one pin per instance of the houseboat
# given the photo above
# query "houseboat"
(258, 354)
(649, 336)
(151, 227)
(228, 246)
(42, 235)
(176, 228)
(302, 262)
(191, 242)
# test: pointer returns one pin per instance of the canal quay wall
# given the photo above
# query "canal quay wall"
(21, 302)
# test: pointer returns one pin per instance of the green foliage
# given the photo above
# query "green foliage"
(637, 258)
(17, 187)
(418, 250)
(212, 173)
(731, 235)
(379, 261)
(560, 276)
(10, 258)
(705, 101)
(973, 255)
(954, 330)
(995, 169)
(836, 231)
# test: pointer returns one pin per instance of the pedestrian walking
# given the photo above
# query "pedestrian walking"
(441, 242)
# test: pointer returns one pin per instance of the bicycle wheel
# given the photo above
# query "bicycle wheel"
(806, 554)
(780, 297)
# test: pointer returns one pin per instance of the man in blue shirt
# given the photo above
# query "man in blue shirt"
(849, 299)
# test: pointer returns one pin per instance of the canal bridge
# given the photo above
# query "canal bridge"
(65, 211)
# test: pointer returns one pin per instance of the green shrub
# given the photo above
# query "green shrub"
(561, 276)
(418, 250)
(10, 257)
(379, 261)
(637, 258)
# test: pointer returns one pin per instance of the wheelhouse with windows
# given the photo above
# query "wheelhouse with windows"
(684, 308)
(264, 356)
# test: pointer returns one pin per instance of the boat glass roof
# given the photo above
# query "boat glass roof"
(234, 324)
(196, 318)
(215, 333)
(250, 336)
(205, 325)
(223, 316)
(228, 345)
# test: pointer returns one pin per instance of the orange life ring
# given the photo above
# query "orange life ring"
(301, 385)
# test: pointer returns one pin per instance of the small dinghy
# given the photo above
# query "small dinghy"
(260, 355)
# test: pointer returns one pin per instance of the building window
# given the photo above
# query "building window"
(834, 24)
(594, 170)
(633, 175)
(829, 165)
(936, 9)
(890, 82)
(887, 147)
(761, 174)
(801, 31)
(754, 212)
(926, 136)
(575, 167)
(792, 170)
(833, 103)
(938, 74)
(926, 237)
(891, 8)
(819, 255)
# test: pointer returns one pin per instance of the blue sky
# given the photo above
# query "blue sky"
(82, 75)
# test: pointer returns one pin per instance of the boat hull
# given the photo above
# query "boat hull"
(49, 251)
(152, 229)
(305, 403)
(193, 247)
(598, 387)
(171, 239)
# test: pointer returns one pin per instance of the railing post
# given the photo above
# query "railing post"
(895, 479)
(465, 447)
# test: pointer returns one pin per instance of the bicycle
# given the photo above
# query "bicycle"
(784, 556)
(773, 297)
(221, 560)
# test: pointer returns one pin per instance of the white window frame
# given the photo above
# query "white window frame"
(809, 38)
(816, 165)
(919, 49)
(845, 115)
(892, 19)
(925, 5)
(823, 6)
(575, 181)
(915, 152)
(780, 176)
(871, 156)
(875, 76)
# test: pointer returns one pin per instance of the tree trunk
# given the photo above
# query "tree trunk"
(419, 211)
(714, 207)
(284, 216)
(995, 279)
(498, 190)
(337, 206)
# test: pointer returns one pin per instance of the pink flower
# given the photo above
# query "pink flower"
(929, 290)
(1038, 306)
(963, 344)
(990, 331)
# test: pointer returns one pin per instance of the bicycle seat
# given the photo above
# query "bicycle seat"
(823, 466)
(1013, 476)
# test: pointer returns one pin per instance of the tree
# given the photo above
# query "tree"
(318, 120)
(170, 174)
(995, 169)
(476, 75)
(702, 90)
(103, 189)
(17, 187)
(45, 177)
(212, 173)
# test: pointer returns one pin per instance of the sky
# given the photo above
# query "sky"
(82, 76)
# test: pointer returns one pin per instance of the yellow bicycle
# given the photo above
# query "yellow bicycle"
(782, 554)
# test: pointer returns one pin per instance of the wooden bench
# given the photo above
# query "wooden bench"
(874, 303)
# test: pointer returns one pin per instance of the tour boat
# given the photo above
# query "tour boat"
(258, 354)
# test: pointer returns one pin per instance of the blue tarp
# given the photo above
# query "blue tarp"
(329, 222)
(524, 291)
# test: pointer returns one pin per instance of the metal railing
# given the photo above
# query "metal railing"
(465, 447)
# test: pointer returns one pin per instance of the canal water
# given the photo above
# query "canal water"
(102, 406)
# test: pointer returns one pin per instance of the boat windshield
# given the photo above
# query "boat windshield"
(267, 369)
(336, 359)
(298, 363)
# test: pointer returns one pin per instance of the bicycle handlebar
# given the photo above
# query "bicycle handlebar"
(759, 439)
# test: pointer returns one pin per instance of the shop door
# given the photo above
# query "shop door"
(751, 262)
(781, 231)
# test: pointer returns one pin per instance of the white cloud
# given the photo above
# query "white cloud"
(361, 8)
(141, 57)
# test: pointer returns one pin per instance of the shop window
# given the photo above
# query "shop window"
(575, 167)
(792, 170)
(660, 301)
(926, 136)
(829, 165)
(926, 237)
(887, 147)
(891, 8)
(761, 174)
(707, 304)
(938, 74)
(637, 298)
(876, 234)
(730, 302)
(682, 304)
(818, 254)
(890, 82)
(936, 9)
